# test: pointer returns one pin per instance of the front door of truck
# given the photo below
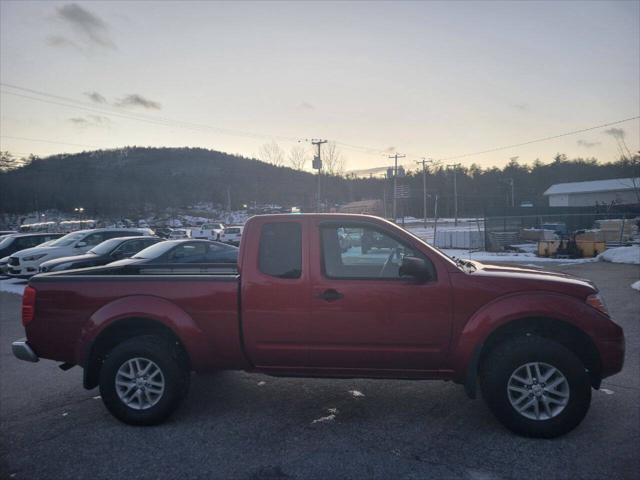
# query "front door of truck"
(364, 316)
(275, 294)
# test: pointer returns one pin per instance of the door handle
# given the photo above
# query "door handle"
(330, 295)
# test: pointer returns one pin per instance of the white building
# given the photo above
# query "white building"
(619, 191)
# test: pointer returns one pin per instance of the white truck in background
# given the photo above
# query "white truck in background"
(208, 231)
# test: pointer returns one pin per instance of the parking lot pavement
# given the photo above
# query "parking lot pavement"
(248, 426)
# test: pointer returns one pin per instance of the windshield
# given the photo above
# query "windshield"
(154, 251)
(105, 247)
(68, 239)
(5, 240)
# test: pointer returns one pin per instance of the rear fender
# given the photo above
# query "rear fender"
(150, 308)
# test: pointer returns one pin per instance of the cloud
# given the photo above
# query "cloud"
(59, 41)
(95, 97)
(135, 100)
(617, 133)
(306, 106)
(587, 144)
(91, 121)
(523, 107)
(88, 27)
(390, 149)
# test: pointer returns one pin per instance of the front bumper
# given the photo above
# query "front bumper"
(23, 351)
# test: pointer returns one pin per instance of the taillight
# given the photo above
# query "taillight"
(28, 305)
(597, 302)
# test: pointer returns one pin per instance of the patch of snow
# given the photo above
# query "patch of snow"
(607, 391)
(12, 285)
(636, 285)
(261, 383)
(629, 255)
(515, 257)
(328, 418)
(356, 393)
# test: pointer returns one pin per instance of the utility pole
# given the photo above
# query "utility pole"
(395, 183)
(424, 162)
(455, 191)
(513, 201)
(317, 164)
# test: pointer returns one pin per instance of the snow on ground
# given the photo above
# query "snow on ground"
(488, 257)
(12, 285)
(636, 285)
(621, 255)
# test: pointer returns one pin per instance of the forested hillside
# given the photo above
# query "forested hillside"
(136, 180)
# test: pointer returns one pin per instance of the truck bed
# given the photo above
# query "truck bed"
(203, 299)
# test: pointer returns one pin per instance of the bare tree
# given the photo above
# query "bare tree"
(333, 160)
(272, 153)
(10, 162)
(298, 157)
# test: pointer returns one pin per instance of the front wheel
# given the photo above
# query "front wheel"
(143, 380)
(535, 387)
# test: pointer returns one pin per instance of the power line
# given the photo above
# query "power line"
(497, 149)
(136, 116)
(163, 121)
(49, 141)
(553, 137)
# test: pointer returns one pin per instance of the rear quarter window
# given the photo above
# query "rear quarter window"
(280, 251)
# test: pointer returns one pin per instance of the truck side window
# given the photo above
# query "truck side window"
(280, 253)
(361, 252)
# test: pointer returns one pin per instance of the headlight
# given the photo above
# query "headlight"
(597, 302)
(33, 258)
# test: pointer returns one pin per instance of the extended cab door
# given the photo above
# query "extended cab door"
(364, 316)
(275, 294)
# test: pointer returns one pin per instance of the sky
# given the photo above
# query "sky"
(441, 80)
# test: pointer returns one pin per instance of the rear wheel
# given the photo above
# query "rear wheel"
(535, 386)
(143, 380)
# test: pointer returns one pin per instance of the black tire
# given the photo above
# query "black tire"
(171, 361)
(501, 362)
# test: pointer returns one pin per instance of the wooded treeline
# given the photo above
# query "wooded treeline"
(134, 181)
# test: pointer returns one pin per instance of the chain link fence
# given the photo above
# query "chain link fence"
(613, 228)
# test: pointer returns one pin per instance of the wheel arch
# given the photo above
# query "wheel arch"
(120, 330)
(565, 333)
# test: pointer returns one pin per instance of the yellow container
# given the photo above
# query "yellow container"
(547, 248)
(591, 249)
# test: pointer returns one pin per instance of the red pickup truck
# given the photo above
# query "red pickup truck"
(304, 302)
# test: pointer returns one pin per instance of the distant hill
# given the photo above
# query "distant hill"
(129, 180)
(137, 181)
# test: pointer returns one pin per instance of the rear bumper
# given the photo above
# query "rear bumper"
(23, 351)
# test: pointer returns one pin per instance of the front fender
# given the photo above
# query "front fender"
(508, 308)
(146, 307)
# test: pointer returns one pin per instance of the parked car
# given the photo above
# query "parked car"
(178, 234)
(208, 231)
(15, 242)
(535, 342)
(26, 263)
(183, 251)
(106, 252)
(163, 232)
(232, 235)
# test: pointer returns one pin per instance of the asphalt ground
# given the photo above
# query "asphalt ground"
(250, 426)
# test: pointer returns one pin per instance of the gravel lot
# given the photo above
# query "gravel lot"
(237, 425)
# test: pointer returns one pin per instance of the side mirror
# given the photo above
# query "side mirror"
(81, 244)
(415, 267)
